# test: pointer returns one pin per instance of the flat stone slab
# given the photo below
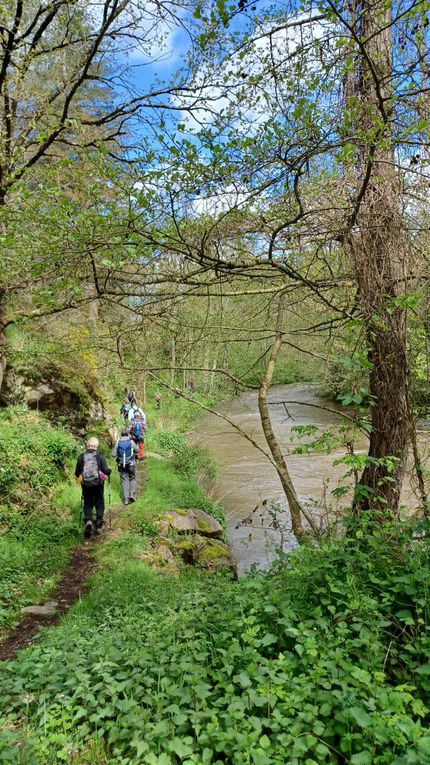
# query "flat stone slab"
(47, 608)
(191, 521)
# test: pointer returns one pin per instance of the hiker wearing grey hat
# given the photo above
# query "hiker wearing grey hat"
(91, 472)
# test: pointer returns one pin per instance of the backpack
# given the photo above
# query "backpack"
(90, 473)
(136, 429)
(124, 452)
(125, 409)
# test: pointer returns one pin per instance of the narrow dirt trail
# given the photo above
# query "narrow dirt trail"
(68, 591)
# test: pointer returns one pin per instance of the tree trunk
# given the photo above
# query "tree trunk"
(281, 466)
(2, 336)
(144, 395)
(380, 249)
(3, 292)
(173, 363)
(205, 375)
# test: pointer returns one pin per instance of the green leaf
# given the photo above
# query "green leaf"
(360, 716)
(424, 669)
(180, 747)
(264, 742)
(361, 758)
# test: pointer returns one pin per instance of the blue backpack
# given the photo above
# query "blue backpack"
(124, 452)
(136, 429)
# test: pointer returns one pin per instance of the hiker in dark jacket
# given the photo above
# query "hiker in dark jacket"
(124, 451)
(92, 471)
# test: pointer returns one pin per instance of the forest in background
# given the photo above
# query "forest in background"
(261, 212)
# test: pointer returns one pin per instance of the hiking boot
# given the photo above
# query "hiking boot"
(126, 502)
(99, 530)
(132, 499)
(88, 529)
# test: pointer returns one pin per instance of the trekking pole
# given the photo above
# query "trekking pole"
(109, 505)
(81, 511)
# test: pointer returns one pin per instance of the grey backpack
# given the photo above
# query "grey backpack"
(90, 473)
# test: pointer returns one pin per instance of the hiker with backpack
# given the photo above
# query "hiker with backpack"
(124, 451)
(135, 412)
(91, 472)
(125, 408)
(137, 429)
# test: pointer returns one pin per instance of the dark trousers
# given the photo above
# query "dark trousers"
(94, 497)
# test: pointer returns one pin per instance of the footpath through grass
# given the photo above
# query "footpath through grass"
(324, 659)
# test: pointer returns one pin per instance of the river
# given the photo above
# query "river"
(248, 485)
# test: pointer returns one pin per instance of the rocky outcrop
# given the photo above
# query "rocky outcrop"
(195, 536)
(191, 521)
(210, 554)
(80, 406)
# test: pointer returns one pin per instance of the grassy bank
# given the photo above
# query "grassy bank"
(39, 509)
(322, 660)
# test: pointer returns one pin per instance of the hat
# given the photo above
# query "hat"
(93, 442)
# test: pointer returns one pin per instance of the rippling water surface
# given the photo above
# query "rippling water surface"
(246, 479)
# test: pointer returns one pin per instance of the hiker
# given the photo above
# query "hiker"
(192, 386)
(131, 397)
(134, 412)
(158, 396)
(125, 408)
(137, 429)
(91, 472)
(124, 451)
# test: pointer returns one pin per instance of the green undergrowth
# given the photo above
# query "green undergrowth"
(324, 659)
(39, 509)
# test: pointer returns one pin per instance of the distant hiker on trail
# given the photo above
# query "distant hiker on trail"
(192, 386)
(125, 408)
(124, 451)
(158, 397)
(137, 429)
(91, 472)
(131, 397)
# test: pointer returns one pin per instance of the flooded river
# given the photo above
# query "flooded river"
(248, 485)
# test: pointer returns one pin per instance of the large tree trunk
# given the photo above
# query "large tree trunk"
(2, 336)
(3, 292)
(379, 247)
(281, 466)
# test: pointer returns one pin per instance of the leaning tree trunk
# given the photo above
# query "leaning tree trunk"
(380, 250)
(281, 467)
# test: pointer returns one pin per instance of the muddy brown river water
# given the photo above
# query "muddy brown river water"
(247, 481)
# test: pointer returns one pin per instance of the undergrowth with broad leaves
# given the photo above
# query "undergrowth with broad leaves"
(39, 508)
(322, 660)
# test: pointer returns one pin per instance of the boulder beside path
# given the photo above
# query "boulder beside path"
(197, 538)
(191, 521)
